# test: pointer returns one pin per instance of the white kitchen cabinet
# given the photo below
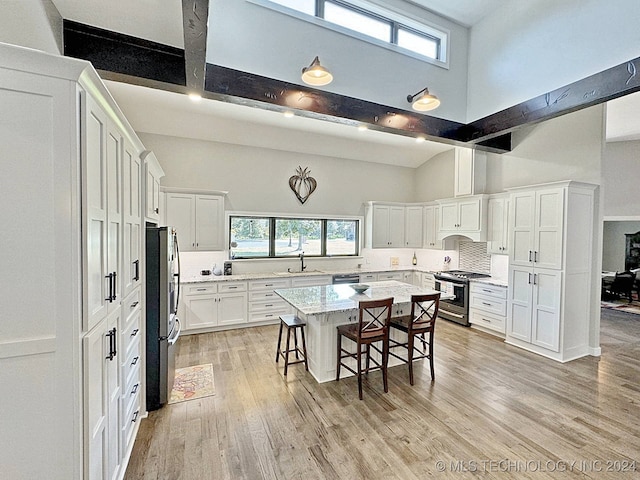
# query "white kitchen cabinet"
(488, 306)
(431, 223)
(265, 306)
(311, 281)
(385, 225)
(132, 217)
(413, 226)
(470, 171)
(211, 305)
(71, 139)
(498, 224)
(198, 219)
(153, 174)
(550, 264)
(467, 216)
(428, 280)
(399, 276)
(368, 277)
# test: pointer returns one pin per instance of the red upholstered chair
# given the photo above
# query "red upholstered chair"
(421, 321)
(370, 331)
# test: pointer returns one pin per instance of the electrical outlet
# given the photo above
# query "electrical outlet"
(395, 261)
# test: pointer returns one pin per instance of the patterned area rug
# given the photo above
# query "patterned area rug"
(192, 382)
(622, 305)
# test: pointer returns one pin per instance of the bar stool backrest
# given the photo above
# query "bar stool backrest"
(374, 317)
(424, 311)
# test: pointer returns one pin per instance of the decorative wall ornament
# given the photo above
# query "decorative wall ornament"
(302, 184)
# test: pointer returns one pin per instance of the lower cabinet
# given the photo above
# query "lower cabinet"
(208, 305)
(427, 280)
(368, 277)
(391, 276)
(488, 306)
(264, 305)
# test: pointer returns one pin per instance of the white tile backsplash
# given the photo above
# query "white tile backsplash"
(474, 257)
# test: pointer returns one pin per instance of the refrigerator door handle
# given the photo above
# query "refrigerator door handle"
(174, 338)
(175, 240)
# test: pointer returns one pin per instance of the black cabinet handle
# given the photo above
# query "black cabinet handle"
(135, 389)
(115, 285)
(135, 332)
(134, 361)
(157, 210)
(135, 414)
(110, 296)
(134, 304)
(113, 343)
(136, 264)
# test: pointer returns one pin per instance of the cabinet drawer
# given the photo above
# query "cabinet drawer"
(131, 305)
(131, 362)
(201, 289)
(227, 287)
(268, 305)
(390, 276)
(130, 334)
(488, 290)
(368, 277)
(271, 315)
(265, 296)
(488, 304)
(487, 320)
(269, 284)
(130, 415)
(311, 281)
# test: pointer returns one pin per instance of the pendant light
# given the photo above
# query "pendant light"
(423, 101)
(316, 75)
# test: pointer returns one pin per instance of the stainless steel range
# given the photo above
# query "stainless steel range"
(456, 283)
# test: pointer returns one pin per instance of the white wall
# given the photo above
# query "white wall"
(435, 178)
(257, 179)
(528, 48)
(621, 179)
(31, 23)
(255, 39)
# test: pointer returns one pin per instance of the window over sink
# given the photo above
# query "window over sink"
(280, 237)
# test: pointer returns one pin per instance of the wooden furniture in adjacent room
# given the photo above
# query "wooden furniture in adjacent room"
(372, 327)
(421, 321)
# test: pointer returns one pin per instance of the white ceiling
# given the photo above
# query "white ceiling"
(154, 111)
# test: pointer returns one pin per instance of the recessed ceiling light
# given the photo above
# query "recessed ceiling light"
(195, 97)
(288, 114)
(420, 139)
(363, 128)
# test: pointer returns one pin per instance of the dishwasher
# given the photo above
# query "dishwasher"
(346, 278)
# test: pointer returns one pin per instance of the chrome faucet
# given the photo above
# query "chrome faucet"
(302, 265)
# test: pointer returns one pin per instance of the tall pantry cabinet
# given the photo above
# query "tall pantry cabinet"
(72, 233)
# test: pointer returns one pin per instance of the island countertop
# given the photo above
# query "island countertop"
(339, 298)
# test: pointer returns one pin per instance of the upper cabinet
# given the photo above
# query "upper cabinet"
(153, 174)
(470, 172)
(198, 219)
(385, 225)
(413, 227)
(465, 216)
(498, 224)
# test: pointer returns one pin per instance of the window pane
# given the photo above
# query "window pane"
(294, 236)
(251, 234)
(357, 21)
(418, 43)
(304, 6)
(341, 237)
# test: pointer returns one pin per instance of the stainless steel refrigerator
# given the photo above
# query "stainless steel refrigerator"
(163, 326)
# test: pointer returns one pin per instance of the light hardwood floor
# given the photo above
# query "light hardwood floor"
(515, 414)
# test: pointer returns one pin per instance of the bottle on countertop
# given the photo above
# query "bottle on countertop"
(414, 260)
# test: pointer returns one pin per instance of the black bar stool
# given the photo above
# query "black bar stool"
(292, 323)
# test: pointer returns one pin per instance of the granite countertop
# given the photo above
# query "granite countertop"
(307, 273)
(491, 281)
(340, 298)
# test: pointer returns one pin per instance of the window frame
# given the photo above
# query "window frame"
(410, 23)
(324, 219)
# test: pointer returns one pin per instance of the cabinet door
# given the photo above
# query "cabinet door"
(396, 227)
(449, 217)
(112, 397)
(114, 212)
(521, 221)
(413, 227)
(380, 227)
(131, 226)
(201, 311)
(431, 221)
(520, 303)
(180, 214)
(232, 309)
(463, 171)
(547, 292)
(469, 215)
(209, 222)
(94, 134)
(549, 228)
(497, 208)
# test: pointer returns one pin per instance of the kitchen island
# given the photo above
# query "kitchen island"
(325, 307)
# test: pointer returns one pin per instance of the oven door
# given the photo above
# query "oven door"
(455, 308)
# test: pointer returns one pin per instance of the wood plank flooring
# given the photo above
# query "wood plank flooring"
(494, 411)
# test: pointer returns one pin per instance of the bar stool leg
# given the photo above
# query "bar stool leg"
(279, 342)
(304, 350)
(295, 341)
(286, 360)
(410, 356)
(339, 357)
(359, 373)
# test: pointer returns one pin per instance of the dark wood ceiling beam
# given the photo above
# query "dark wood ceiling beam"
(195, 14)
(607, 85)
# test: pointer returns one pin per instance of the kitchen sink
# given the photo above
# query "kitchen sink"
(296, 272)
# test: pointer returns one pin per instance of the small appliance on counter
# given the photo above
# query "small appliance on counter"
(228, 268)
